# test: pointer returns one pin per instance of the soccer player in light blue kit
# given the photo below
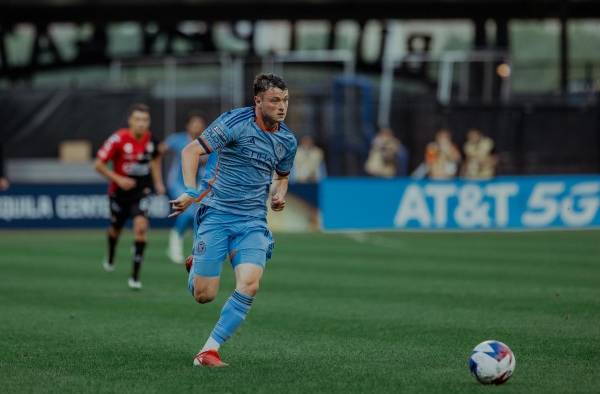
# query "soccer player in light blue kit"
(175, 143)
(255, 152)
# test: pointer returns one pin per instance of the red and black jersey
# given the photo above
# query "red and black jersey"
(131, 157)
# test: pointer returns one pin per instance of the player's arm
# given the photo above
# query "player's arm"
(190, 160)
(157, 179)
(279, 186)
(191, 157)
(123, 182)
(279, 189)
(163, 148)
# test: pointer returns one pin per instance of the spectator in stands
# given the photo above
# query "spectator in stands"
(4, 183)
(480, 160)
(387, 157)
(309, 166)
(442, 157)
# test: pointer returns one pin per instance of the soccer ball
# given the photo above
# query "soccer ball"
(492, 362)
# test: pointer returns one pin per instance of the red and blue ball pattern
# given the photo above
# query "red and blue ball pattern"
(492, 362)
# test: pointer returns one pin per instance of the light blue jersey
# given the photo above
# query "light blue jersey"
(175, 184)
(247, 157)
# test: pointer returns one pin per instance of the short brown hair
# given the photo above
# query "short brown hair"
(264, 82)
(139, 107)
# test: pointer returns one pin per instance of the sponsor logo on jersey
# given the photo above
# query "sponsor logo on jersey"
(260, 157)
(136, 169)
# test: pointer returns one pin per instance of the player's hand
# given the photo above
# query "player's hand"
(159, 189)
(125, 183)
(277, 203)
(180, 204)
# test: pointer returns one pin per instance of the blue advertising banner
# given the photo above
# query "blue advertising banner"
(540, 202)
(86, 206)
(67, 206)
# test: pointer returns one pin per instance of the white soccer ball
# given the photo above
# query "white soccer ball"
(492, 362)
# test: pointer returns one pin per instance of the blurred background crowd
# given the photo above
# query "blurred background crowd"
(435, 90)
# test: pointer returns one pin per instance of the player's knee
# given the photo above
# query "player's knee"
(248, 288)
(140, 230)
(203, 297)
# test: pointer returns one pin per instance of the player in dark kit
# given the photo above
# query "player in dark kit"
(136, 171)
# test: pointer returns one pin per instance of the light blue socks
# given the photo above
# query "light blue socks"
(234, 312)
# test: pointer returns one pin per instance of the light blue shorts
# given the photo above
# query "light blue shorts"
(219, 234)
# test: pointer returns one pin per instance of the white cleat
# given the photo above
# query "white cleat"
(134, 284)
(107, 266)
(175, 251)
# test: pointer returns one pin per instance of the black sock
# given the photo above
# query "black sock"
(112, 244)
(138, 256)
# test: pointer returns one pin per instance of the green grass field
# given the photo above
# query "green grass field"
(384, 312)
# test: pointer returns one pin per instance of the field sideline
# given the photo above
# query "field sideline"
(378, 312)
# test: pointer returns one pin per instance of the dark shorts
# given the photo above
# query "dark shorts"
(123, 209)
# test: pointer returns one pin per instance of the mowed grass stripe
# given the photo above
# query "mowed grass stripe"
(375, 312)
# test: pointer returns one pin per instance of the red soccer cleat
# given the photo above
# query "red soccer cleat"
(188, 263)
(209, 358)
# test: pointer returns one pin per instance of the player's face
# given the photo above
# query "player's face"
(273, 104)
(196, 126)
(139, 122)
